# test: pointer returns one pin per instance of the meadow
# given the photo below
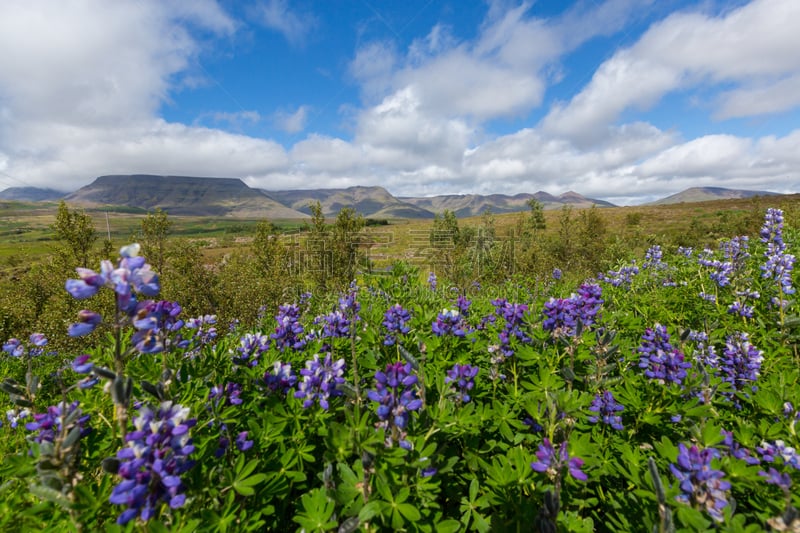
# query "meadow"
(632, 369)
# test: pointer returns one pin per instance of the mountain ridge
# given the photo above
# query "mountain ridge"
(231, 197)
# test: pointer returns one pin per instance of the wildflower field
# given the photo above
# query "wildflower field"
(659, 395)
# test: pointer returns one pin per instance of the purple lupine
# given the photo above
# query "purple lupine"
(653, 258)
(50, 423)
(685, 251)
(432, 282)
(779, 264)
(396, 322)
(396, 395)
(514, 322)
(289, 331)
(701, 485)
(462, 378)
(16, 348)
(463, 305)
(607, 409)
(562, 314)
(740, 362)
(334, 325)
(14, 416)
(227, 395)
(736, 250)
(659, 359)
(82, 365)
(552, 462)
(204, 332)
(623, 276)
(771, 451)
(741, 309)
(734, 449)
(780, 479)
(154, 321)
(281, 378)
(251, 347)
(131, 275)
(449, 322)
(556, 274)
(321, 380)
(704, 352)
(156, 454)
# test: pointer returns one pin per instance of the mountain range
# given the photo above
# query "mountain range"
(231, 197)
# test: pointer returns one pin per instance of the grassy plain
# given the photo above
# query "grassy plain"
(25, 232)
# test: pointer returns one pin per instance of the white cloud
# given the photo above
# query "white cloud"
(759, 39)
(292, 122)
(276, 15)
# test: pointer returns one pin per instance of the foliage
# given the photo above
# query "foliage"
(661, 397)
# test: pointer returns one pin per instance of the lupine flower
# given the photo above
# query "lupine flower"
(16, 348)
(463, 379)
(734, 449)
(289, 331)
(50, 423)
(704, 352)
(82, 365)
(781, 479)
(552, 462)
(606, 408)
(701, 485)
(281, 378)
(321, 380)
(205, 331)
(741, 309)
(432, 281)
(396, 395)
(653, 258)
(334, 325)
(154, 321)
(396, 321)
(685, 251)
(227, 395)
(740, 362)
(659, 359)
(449, 322)
(562, 314)
(156, 454)
(514, 322)
(779, 264)
(131, 275)
(463, 305)
(14, 417)
(623, 276)
(770, 451)
(251, 347)
(556, 274)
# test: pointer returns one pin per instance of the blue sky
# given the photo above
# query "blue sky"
(623, 100)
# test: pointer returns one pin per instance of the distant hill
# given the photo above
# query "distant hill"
(468, 205)
(706, 194)
(182, 195)
(30, 194)
(372, 202)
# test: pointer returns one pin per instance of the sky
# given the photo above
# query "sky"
(626, 101)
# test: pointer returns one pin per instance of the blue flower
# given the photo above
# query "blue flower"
(606, 408)
(659, 359)
(552, 462)
(396, 395)
(156, 454)
(396, 321)
(321, 380)
(463, 379)
(701, 485)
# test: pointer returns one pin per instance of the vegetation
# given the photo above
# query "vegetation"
(556, 371)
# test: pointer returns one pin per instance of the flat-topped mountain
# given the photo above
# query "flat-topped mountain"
(30, 194)
(707, 194)
(468, 205)
(375, 202)
(182, 195)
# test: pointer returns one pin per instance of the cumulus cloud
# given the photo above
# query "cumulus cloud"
(292, 122)
(693, 49)
(276, 15)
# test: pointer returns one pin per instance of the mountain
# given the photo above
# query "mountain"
(469, 205)
(373, 202)
(30, 194)
(182, 195)
(706, 194)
